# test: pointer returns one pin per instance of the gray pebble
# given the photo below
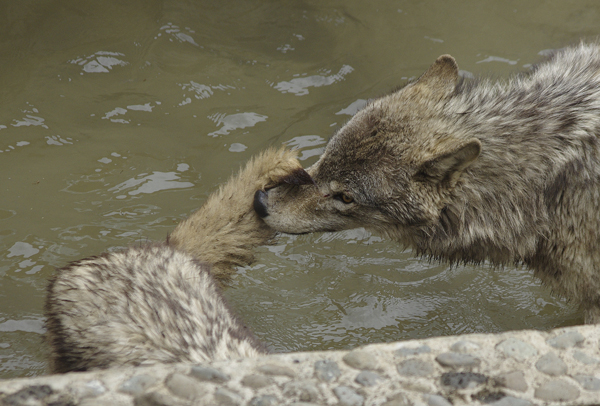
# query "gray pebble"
(551, 364)
(513, 380)
(585, 358)
(326, 370)
(256, 381)
(305, 391)
(265, 400)
(90, 389)
(397, 399)
(208, 374)
(463, 380)
(348, 396)
(28, 395)
(407, 351)
(557, 390)
(415, 367)
(436, 400)
(137, 384)
(185, 387)
(510, 401)
(360, 359)
(590, 383)
(487, 396)
(157, 399)
(226, 397)
(367, 378)
(455, 360)
(566, 340)
(516, 349)
(464, 346)
(276, 370)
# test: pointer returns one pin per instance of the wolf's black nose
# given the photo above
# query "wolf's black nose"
(260, 207)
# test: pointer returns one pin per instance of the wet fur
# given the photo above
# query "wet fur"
(161, 302)
(471, 171)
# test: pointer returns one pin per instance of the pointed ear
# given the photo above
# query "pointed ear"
(447, 168)
(441, 78)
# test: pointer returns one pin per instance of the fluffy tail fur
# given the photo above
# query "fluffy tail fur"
(160, 303)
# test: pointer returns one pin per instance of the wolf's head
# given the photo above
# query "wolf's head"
(391, 167)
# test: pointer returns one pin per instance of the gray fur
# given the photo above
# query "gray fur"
(141, 306)
(471, 171)
(161, 302)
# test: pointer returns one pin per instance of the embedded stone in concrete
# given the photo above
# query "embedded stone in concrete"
(227, 397)
(28, 395)
(513, 380)
(367, 378)
(510, 401)
(415, 367)
(360, 359)
(585, 358)
(551, 364)
(265, 400)
(436, 400)
(517, 349)
(566, 340)
(305, 391)
(407, 351)
(276, 370)
(137, 384)
(488, 397)
(419, 385)
(456, 360)
(186, 387)
(208, 374)
(557, 390)
(348, 396)
(326, 370)
(464, 346)
(397, 399)
(158, 399)
(462, 380)
(89, 389)
(256, 381)
(590, 383)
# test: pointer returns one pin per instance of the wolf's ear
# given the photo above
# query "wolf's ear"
(447, 167)
(441, 77)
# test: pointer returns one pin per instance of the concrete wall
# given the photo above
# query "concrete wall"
(560, 367)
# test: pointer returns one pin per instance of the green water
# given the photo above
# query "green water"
(119, 118)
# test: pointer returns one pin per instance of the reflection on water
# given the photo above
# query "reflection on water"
(236, 121)
(155, 182)
(28, 326)
(119, 118)
(100, 62)
(299, 85)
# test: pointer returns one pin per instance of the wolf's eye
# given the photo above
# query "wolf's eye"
(344, 198)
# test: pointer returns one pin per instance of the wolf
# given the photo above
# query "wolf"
(468, 171)
(162, 302)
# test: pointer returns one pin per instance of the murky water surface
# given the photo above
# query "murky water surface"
(119, 118)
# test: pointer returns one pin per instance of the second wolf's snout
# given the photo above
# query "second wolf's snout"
(298, 177)
(260, 204)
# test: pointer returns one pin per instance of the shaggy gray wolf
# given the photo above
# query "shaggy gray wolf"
(161, 302)
(469, 171)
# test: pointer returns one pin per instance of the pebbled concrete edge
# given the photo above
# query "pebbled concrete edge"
(519, 368)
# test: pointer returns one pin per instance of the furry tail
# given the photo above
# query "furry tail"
(225, 230)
